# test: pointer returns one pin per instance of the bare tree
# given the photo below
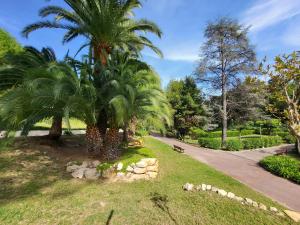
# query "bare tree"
(226, 56)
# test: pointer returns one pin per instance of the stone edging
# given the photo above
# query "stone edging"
(232, 196)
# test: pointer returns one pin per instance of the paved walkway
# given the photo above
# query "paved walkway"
(243, 167)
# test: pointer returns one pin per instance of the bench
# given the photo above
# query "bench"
(178, 149)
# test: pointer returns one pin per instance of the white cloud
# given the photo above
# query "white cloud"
(186, 51)
(265, 13)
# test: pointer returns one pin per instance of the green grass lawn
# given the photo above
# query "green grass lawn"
(74, 123)
(34, 190)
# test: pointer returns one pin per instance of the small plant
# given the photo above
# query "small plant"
(102, 167)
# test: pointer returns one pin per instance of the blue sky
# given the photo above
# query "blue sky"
(274, 28)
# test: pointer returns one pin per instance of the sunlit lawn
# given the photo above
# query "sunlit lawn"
(36, 191)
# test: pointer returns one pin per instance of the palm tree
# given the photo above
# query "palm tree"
(32, 64)
(106, 24)
(133, 92)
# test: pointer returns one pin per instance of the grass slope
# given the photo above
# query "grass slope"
(35, 190)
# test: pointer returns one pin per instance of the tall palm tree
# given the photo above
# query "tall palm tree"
(106, 24)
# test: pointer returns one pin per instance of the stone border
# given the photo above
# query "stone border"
(145, 169)
(232, 196)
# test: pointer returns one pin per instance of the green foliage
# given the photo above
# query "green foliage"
(8, 44)
(213, 143)
(103, 166)
(196, 133)
(287, 137)
(230, 133)
(234, 144)
(284, 166)
(261, 142)
(187, 101)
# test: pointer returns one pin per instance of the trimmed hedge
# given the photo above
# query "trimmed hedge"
(236, 144)
(230, 133)
(213, 143)
(284, 166)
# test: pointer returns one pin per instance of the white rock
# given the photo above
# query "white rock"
(295, 216)
(119, 166)
(71, 163)
(129, 169)
(152, 174)
(240, 199)
(203, 186)
(255, 204)
(139, 177)
(152, 168)
(72, 168)
(262, 206)
(222, 192)
(273, 209)
(280, 214)
(150, 161)
(249, 201)
(120, 175)
(188, 187)
(139, 170)
(208, 187)
(85, 164)
(96, 163)
(91, 174)
(230, 195)
(141, 164)
(79, 173)
(214, 189)
(199, 187)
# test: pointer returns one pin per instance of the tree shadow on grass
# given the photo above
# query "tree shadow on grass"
(110, 217)
(24, 173)
(161, 201)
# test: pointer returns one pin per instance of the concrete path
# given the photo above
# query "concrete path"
(244, 167)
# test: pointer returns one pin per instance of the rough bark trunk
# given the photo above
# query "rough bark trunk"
(112, 142)
(132, 126)
(298, 145)
(224, 111)
(102, 123)
(125, 134)
(93, 139)
(55, 131)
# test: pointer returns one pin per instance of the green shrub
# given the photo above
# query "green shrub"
(142, 133)
(284, 166)
(230, 133)
(234, 144)
(214, 143)
(261, 142)
(287, 137)
(197, 133)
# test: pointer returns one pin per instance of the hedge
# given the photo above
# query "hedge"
(230, 133)
(235, 144)
(284, 166)
(213, 143)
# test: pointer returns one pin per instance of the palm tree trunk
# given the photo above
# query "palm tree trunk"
(55, 131)
(132, 126)
(102, 123)
(112, 142)
(93, 139)
(125, 134)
